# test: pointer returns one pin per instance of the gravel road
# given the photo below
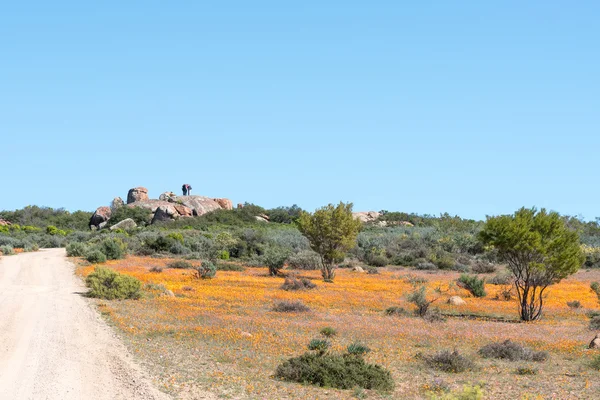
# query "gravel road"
(53, 344)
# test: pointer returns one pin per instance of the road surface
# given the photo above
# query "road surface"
(53, 345)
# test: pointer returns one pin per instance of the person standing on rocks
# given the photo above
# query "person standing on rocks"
(187, 189)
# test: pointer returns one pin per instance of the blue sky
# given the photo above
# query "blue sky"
(467, 107)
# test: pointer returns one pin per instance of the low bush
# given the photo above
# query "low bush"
(95, 256)
(335, 371)
(357, 349)
(397, 311)
(418, 297)
(221, 266)
(328, 331)
(113, 249)
(7, 250)
(595, 286)
(206, 270)
(574, 304)
(31, 247)
(319, 345)
(180, 264)
(414, 279)
(505, 293)
(473, 284)
(290, 306)
(526, 371)
(76, 249)
(468, 392)
(107, 284)
(483, 267)
(378, 261)
(511, 351)
(275, 259)
(449, 361)
(426, 266)
(502, 278)
(293, 283)
(595, 323)
(156, 269)
(304, 260)
(372, 270)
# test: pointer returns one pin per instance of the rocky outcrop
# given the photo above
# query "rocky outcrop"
(199, 205)
(225, 204)
(456, 301)
(366, 216)
(4, 222)
(595, 344)
(100, 217)
(165, 213)
(240, 205)
(126, 224)
(167, 196)
(137, 194)
(116, 203)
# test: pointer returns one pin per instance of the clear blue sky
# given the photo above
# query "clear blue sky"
(466, 107)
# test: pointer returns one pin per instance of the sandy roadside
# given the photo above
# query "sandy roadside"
(53, 345)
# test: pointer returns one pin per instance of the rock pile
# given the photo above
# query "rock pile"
(4, 222)
(169, 206)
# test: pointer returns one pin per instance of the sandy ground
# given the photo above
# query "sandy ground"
(53, 345)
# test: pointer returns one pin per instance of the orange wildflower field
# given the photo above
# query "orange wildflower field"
(221, 335)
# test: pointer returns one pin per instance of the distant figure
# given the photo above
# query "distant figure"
(187, 189)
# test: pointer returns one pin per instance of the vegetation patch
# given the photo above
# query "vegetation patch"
(292, 283)
(511, 351)
(448, 361)
(290, 306)
(473, 284)
(108, 284)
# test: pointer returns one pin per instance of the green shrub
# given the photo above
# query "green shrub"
(52, 230)
(449, 361)
(31, 247)
(419, 299)
(275, 259)
(76, 249)
(156, 269)
(483, 267)
(328, 331)
(319, 345)
(140, 215)
(95, 256)
(335, 371)
(221, 266)
(526, 371)
(293, 283)
(178, 237)
(223, 255)
(502, 278)
(468, 392)
(372, 270)
(394, 310)
(473, 284)
(511, 351)
(7, 250)
(304, 260)
(206, 270)
(574, 304)
(180, 264)
(378, 261)
(358, 349)
(290, 306)
(113, 249)
(107, 284)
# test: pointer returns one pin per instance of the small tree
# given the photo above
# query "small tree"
(540, 251)
(331, 231)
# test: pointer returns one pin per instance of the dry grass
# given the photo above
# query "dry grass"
(222, 335)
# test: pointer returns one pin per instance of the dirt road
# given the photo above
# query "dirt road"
(53, 345)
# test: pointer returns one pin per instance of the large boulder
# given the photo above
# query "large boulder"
(199, 205)
(456, 301)
(225, 204)
(100, 217)
(126, 224)
(137, 194)
(174, 210)
(165, 213)
(151, 205)
(4, 222)
(366, 216)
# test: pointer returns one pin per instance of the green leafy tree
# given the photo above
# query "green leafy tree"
(540, 250)
(331, 231)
